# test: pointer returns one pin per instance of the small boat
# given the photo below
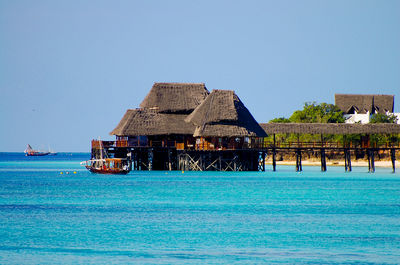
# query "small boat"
(119, 166)
(110, 166)
(29, 151)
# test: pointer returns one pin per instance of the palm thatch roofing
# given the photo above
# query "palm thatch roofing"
(349, 103)
(175, 97)
(331, 128)
(223, 114)
(137, 122)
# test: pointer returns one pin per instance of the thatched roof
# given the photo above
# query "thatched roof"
(150, 122)
(223, 114)
(362, 103)
(331, 128)
(175, 97)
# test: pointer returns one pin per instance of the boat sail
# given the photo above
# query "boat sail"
(29, 151)
(105, 165)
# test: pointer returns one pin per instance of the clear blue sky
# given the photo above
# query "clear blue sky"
(70, 69)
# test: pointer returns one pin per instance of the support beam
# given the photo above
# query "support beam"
(371, 160)
(169, 159)
(264, 156)
(393, 158)
(347, 159)
(299, 167)
(150, 157)
(273, 159)
(323, 160)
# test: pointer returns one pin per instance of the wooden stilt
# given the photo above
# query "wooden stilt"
(349, 160)
(393, 158)
(169, 160)
(298, 161)
(150, 154)
(323, 160)
(273, 159)
(301, 167)
(371, 160)
(274, 155)
(263, 161)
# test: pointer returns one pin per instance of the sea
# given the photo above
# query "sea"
(53, 211)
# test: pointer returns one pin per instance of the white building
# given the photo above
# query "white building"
(360, 108)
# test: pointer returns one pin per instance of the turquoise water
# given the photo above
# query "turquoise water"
(195, 217)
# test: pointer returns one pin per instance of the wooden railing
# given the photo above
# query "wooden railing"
(323, 144)
(254, 145)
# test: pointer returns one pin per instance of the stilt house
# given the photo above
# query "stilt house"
(181, 126)
(160, 120)
(223, 122)
(187, 116)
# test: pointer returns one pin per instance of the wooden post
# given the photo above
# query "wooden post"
(298, 160)
(323, 156)
(169, 159)
(371, 160)
(323, 160)
(263, 161)
(347, 159)
(150, 159)
(301, 167)
(273, 159)
(393, 158)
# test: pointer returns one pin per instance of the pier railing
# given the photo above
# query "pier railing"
(251, 145)
(317, 144)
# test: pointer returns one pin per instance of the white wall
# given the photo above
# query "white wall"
(398, 117)
(355, 118)
(365, 118)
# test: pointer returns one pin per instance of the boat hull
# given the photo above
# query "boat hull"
(108, 171)
(37, 154)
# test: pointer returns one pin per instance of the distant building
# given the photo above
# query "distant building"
(359, 108)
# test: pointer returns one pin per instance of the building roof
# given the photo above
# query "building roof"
(350, 103)
(222, 114)
(331, 128)
(175, 97)
(151, 122)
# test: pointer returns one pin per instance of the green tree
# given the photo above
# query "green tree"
(318, 113)
(380, 139)
(280, 120)
(383, 118)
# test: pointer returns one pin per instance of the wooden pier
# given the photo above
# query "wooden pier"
(299, 151)
(346, 147)
(183, 126)
(250, 159)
